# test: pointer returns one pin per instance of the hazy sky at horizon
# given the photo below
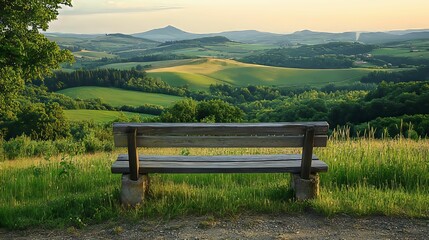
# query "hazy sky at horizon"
(204, 16)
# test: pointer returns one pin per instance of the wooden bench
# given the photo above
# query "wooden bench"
(135, 168)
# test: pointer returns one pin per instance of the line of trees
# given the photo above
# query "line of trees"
(419, 74)
(322, 56)
(126, 79)
(92, 64)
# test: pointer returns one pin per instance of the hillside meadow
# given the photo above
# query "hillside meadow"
(201, 74)
(149, 65)
(93, 54)
(402, 52)
(365, 177)
(99, 116)
(120, 97)
(417, 49)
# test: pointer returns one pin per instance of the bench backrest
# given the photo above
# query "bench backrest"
(285, 134)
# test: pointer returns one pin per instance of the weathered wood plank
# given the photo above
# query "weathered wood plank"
(221, 129)
(219, 167)
(219, 141)
(221, 158)
(307, 153)
(132, 154)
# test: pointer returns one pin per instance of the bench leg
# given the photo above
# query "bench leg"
(305, 189)
(146, 184)
(133, 192)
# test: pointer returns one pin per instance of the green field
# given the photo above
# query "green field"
(100, 116)
(93, 54)
(401, 52)
(119, 97)
(151, 65)
(410, 49)
(221, 50)
(217, 71)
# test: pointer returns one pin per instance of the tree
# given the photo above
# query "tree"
(188, 110)
(25, 53)
(218, 111)
(40, 121)
(182, 111)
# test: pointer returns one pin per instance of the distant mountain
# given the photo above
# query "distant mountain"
(168, 33)
(378, 37)
(383, 37)
(402, 32)
(311, 37)
(171, 33)
(198, 41)
(415, 35)
(249, 36)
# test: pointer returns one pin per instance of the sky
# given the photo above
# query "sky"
(207, 16)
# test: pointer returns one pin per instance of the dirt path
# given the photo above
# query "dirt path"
(303, 226)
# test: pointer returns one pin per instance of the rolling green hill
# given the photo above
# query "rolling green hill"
(93, 54)
(409, 49)
(217, 50)
(102, 43)
(151, 65)
(99, 115)
(200, 75)
(119, 97)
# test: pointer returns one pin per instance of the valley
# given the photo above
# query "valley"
(196, 66)
(203, 73)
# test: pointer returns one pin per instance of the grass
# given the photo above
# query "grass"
(119, 97)
(366, 177)
(221, 50)
(153, 65)
(418, 49)
(100, 116)
(200, 75)
(402, 52)
(93, 54)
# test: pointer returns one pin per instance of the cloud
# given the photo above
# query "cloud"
(91, 11)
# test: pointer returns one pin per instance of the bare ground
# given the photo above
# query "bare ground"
(298, 226)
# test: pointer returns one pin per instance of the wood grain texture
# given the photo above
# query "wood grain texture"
(307, 153)
(222, 129)
(132, 154)
(221, 158)
(219, 141)
(291, 166)
(223, 135)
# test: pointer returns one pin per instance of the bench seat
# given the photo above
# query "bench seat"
(136, 169)
(280, 163)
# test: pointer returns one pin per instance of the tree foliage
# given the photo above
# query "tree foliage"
(419, 74)
(126, 79)
(189, 110)
(40, 121)
(25, 53)
(328, 55)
